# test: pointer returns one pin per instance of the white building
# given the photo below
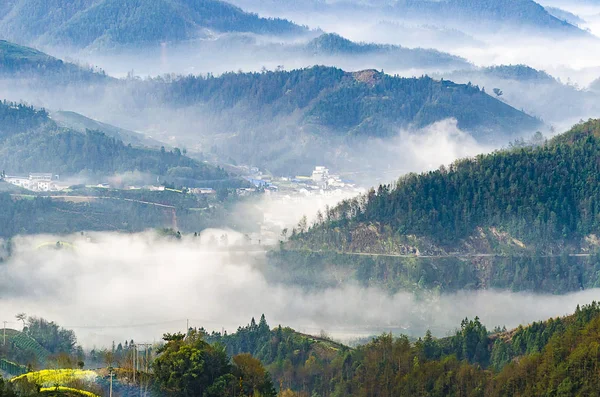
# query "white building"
(36, 182)
(320, 176)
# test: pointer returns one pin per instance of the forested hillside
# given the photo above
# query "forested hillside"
(108, 23)
(538, 195)
(354, 104)
(31, 142)
(544, 358)
(17, 61)
(521, 219)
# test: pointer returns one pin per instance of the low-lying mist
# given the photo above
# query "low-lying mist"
(109, 286)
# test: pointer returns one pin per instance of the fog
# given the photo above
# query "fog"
(108, 286)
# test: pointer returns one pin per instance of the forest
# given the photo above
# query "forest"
(538, 195)
(367, 103)
(17, 61)
(332, 44)
(31, 142)
(557, 274)
(110, 23)
(554, 357)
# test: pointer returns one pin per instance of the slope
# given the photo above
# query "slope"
(353, 103)
(331, 44)
(17, 61)
(109, 23)
(524, 219)
(30, 141)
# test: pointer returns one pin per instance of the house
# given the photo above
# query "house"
(38, 182)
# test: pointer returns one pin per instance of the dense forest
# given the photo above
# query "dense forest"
(31, 142)
(517, 271)
(520, 219)
(109, 23)
(554, 357)
(17, 61)
(539, 195)
(355, 104)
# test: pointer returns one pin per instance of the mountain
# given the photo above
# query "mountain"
(283, 119)
(107, 23)
(521, 219)
(331, 44)
(31, 142)
(17, 61)
(468, 15)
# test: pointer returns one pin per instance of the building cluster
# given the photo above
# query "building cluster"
(37, 182)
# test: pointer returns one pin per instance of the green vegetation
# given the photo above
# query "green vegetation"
(55, 216)
(516, 272)
(24, 349)
(189, 366)
(107, 23)
(78, 122)
(540, 359)
(20, 61)
(12, 368)
(32, 142)
(366, 103)
(535, 197)
(555, 357)
(509, 219)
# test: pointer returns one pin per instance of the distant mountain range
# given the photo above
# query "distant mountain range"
(107, 23)
(284, 120)
(467, 15)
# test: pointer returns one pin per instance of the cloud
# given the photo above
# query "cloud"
(110, 286)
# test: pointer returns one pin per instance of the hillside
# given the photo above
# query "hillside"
(288, 121)
(109, 23)
(333, 45)
(31, 142)
(17, 61)
(533, 359)
(524, 219)
(536, 194)
(473, 16)
(355, 103)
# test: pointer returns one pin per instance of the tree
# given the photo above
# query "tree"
(253, 376)
(189, 366)
(21, 317)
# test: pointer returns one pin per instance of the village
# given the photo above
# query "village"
(320, 181)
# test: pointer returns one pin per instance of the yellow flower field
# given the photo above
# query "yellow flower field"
(49, 378)
(69, 390)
